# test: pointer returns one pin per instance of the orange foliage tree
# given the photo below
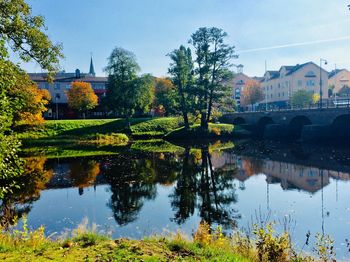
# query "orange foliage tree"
(30, 103)
(81, 97)
(165, 97)
(252, 93)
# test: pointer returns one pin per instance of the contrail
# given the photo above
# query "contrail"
(293, 44)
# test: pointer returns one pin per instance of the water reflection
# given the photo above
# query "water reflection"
(19, 202)
(201, 184)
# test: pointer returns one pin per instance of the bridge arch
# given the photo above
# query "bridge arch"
(340, 127)
(296, 125)
(262, 123)
(239, 121)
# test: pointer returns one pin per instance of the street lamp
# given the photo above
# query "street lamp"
(321, 62)
(57, 97)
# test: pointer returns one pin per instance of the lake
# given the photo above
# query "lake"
(135, 194)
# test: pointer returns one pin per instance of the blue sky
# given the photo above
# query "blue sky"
(153, 28)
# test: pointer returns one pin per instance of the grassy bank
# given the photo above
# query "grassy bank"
(87, 129)
(206, 244)
(214, 131)
(55, 135)
(89, 247)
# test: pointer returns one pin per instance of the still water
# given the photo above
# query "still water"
(136, 194)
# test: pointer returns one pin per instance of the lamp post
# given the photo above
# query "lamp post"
(321, 62)
(57, 97)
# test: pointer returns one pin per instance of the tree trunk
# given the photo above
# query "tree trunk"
(187, 125)
(128, 124)
(204, 122)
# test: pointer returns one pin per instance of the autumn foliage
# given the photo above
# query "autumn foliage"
(31, 101)
(81, 96)
(252, 93)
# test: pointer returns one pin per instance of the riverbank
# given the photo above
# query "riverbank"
(114, 132)
(206, 245)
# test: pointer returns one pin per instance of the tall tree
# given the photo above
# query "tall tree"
(82, 97)
(251, 93)
(127, 93)
(212, 62)
(181, 71)
(25, 35)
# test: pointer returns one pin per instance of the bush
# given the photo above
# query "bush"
(270, 247)
(115, 139)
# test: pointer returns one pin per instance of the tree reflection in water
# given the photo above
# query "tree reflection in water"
(19, 202)
(200, 185)
(83, 173)
(133, 180)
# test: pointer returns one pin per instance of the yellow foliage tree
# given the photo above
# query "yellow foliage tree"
(30, 103)
(81, 97)
(315, 98)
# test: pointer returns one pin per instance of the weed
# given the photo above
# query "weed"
(324, 247)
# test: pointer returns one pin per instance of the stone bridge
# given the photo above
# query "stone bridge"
(305, 124)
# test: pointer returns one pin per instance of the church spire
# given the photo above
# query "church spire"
(92, 70)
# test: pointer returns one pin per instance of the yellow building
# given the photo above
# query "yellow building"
(280, 85)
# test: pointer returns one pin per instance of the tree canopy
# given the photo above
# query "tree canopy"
(251, 93)
(127, 93)
(212, 62)
(25, 35)
(182, 75)
(82, 97)
(301, 98)
(202, 81)
(165, 99)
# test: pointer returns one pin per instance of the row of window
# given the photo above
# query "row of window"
(309, 83)
(58, 86)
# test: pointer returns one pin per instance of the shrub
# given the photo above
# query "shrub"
(108, 139)
(271, 247)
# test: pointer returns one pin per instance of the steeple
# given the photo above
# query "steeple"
(92, 70)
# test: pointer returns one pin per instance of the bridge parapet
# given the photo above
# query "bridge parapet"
(337, 119)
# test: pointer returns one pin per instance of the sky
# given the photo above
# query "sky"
(279, 32)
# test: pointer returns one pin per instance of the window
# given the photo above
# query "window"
(300, 83)
(57, 86)
(67, 86)
(310, 74)
(310, 83)
(47, 86)
(57, 96)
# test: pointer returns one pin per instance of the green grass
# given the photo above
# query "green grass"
(69, 149)
(87, 129)
(207, 244)
(119, 250)
(156, 146)
(195, 132)
(156, 126)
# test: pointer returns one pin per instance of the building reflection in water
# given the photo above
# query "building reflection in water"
(200, 180)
